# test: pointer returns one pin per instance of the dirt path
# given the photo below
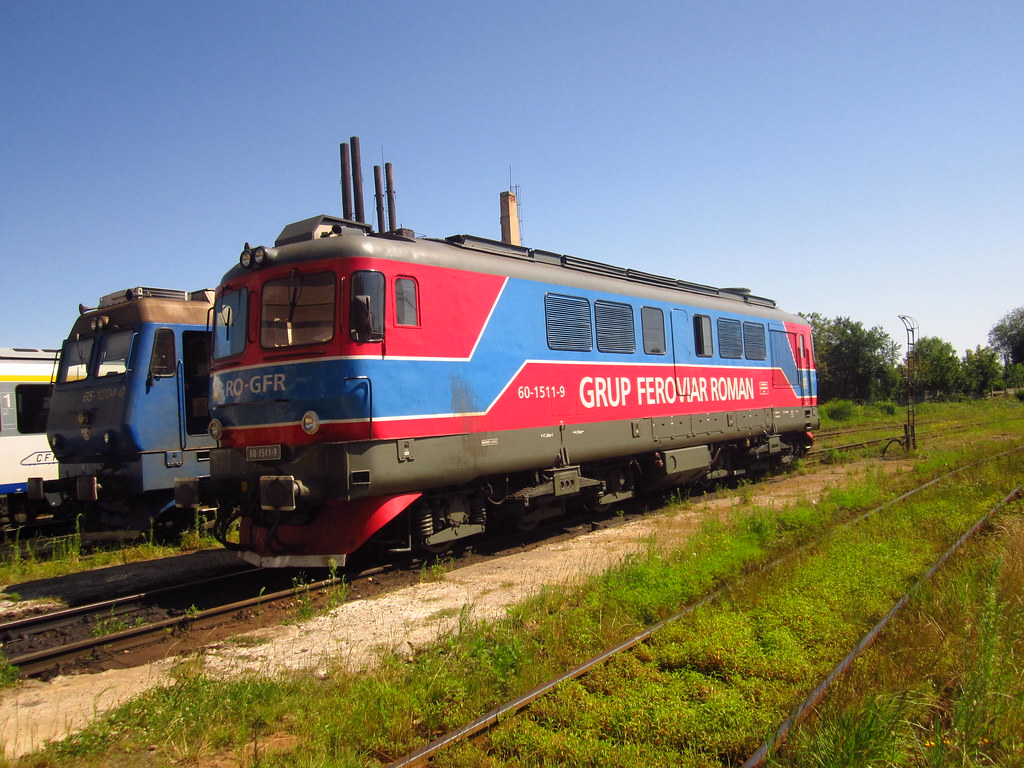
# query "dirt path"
(357, 631)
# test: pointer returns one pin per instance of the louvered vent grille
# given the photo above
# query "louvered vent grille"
(568, 323)
(614, 323)
(754, 344)
(730, 340)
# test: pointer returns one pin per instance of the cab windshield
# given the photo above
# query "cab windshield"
(75, 360)
(114, 351)
(297, 310)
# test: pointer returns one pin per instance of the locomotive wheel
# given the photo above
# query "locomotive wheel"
(16, 512)
(435, 549)
(523, 525)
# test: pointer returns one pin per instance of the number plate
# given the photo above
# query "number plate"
(263, 453)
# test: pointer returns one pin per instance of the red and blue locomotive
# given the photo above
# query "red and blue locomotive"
(414, 391)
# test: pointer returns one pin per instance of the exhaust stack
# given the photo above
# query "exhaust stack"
(357, 180)
(378, 188)
(346, 183)
(389, 179)
(352, 189)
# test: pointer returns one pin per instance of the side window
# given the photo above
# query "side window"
(754, 344)
(229, 323)
(702, 336)
(652, 322)
(567, 320)
(164, 360)
(114, 351)
(406, 302)
(730, 339)
(75, 360)
(614, 324)
(366, 306)
(33, 406)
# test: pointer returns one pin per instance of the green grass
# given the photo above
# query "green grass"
(706, 687)
(945, 684)
(69, 556)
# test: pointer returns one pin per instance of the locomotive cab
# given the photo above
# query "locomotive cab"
(130, 406)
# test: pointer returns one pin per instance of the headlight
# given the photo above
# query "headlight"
(245, 259)
(310, 422)
(259, 255)
(216, 429)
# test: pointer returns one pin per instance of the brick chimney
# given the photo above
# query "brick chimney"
(509, 219)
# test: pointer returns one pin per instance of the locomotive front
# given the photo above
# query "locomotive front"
(129, 408)
(296, 327)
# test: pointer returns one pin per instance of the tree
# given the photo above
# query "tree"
(982, 371)
(853, 362)
(938, 369)
(1013, 376)
(1007, 336)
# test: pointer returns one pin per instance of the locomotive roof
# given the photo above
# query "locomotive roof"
(136, 309)
(323, 237)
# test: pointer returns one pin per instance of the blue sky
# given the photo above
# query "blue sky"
(860, 159)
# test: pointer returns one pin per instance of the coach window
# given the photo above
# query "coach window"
(33, 406)
(406, 302)
(114, 351)
(702, 336)
(754, 344)
(652, 323)
(567, 322)
(75, 360)
(366, 306)
(614, 325)
(229, 323)
(163, 363)
(297, 310)
(730, 339)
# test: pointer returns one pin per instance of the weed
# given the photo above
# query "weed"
(302, 596)
(435, 569)
(839, 410)
(9, 676)
(113, 624)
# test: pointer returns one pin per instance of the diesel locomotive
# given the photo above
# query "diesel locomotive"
(406, 392)
(129, 409)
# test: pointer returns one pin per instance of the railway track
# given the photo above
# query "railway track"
(506, 712)
(128, 628)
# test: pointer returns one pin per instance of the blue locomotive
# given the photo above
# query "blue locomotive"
(129, 411)
(410, 392)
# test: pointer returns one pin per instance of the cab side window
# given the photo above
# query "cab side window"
(407, 311)
(163, 363)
